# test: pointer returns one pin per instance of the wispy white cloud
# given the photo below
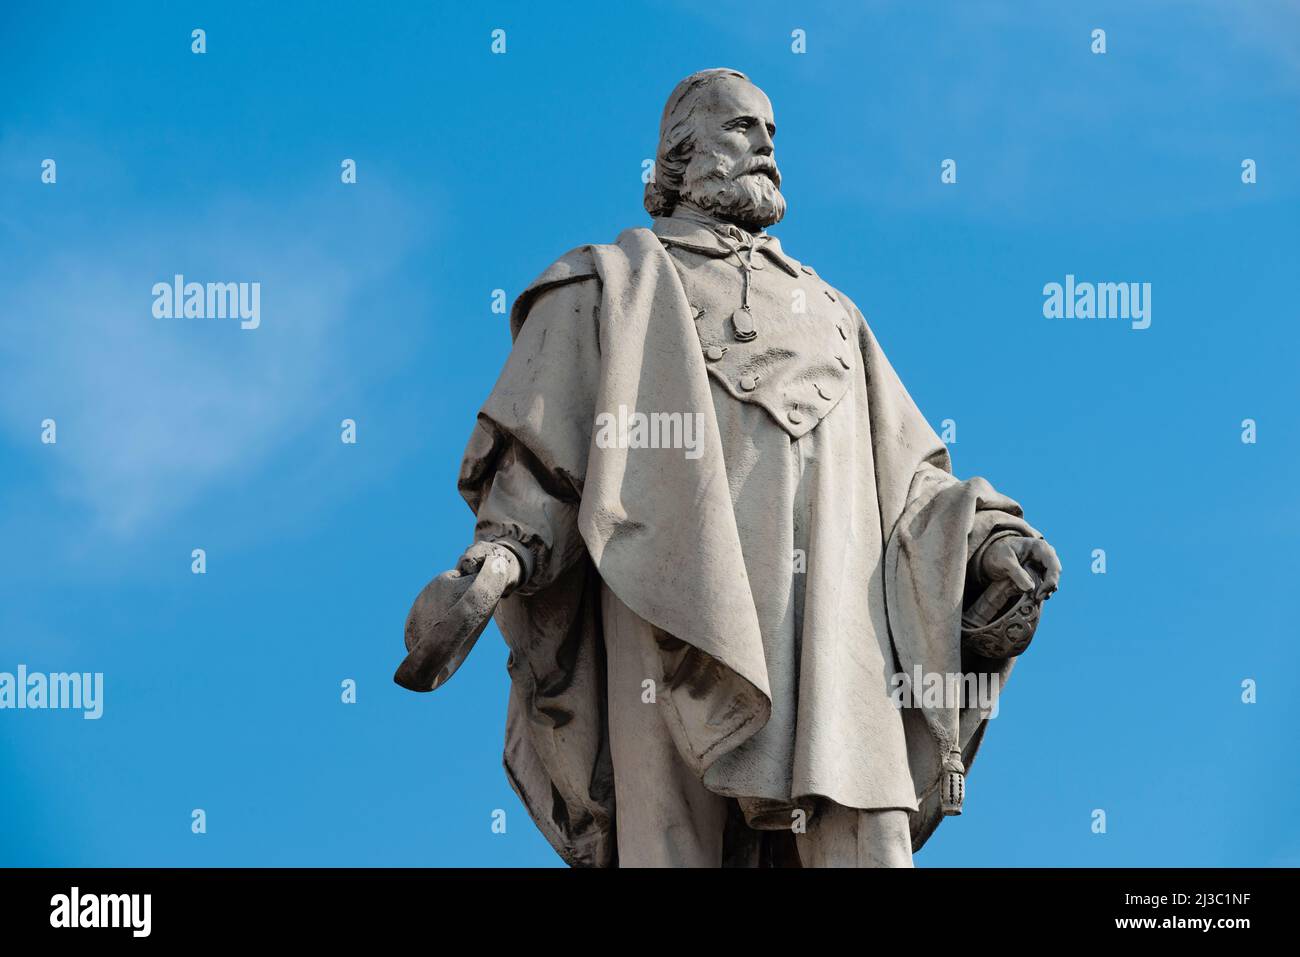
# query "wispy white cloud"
(154, 413)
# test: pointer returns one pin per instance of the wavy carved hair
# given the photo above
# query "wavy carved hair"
(677, 139)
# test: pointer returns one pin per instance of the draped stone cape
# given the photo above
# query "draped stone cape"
(659, 529)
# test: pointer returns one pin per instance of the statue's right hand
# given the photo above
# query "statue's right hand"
(451, 612)
(502, 560)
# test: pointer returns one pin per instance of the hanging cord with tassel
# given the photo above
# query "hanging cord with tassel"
(952, 784)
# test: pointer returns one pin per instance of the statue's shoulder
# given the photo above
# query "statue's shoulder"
(583, 264)
(835, 294)
(805, 274)
(574, 266)
(866, 338)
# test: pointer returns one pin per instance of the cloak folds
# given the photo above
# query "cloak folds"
(660, 530)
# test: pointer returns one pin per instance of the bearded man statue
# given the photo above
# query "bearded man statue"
(719, 537)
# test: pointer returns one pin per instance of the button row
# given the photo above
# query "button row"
(701, 313)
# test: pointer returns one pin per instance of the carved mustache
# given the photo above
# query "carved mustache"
(760, 166)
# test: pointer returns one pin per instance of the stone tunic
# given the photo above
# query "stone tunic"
(770, 665)
(791, 405)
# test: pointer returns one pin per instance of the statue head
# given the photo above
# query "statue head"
(715, 150)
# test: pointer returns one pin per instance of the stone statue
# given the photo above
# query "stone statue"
(738, 580)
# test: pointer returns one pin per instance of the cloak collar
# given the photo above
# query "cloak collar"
(701, 238)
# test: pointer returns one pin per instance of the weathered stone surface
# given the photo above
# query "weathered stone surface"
(724, 546)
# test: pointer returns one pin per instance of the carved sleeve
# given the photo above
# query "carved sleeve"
(524, 467)
(521, 514)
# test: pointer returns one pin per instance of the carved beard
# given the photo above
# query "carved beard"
(746, 197)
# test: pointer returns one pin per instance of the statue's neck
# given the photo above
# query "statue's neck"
(685, 209)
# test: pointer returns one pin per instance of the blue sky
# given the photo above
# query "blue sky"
(222, 691)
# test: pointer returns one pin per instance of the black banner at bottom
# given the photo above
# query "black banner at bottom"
(328, 906)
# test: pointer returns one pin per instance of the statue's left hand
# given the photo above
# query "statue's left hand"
(1028, 563)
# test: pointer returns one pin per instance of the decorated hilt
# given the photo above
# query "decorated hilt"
(1001, 622)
